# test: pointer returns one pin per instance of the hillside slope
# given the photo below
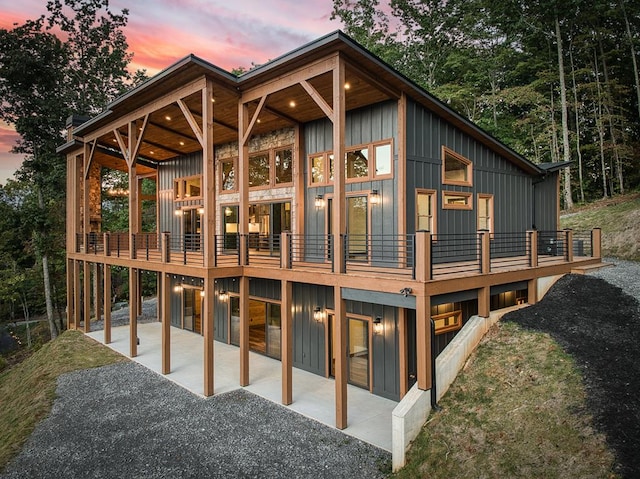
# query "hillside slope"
(619, 218)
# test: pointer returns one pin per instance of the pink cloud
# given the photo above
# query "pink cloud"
(9, 162)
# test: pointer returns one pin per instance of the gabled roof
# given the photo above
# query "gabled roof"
(192, 67)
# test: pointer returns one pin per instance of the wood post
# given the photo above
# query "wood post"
(569, 248)
(532, 247)
(341, 352)
(339, 198)
(402, 351)
(484, 301)
(71, 292)
(244, 331)
(285, 250)
(166, 324)
(107, 303)
(133, 312)
(86, 272)
(76, 288)
(485, 251)
(423, 256)
(287, 343)
(532, 291)
(596, 243)
(207, 315)
(423, 339)
(166, 247)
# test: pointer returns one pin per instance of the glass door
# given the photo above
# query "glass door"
(357, 227)
(192, 310)
(192, 229)
(358, 345)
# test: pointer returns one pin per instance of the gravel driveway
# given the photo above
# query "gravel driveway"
(124, 421)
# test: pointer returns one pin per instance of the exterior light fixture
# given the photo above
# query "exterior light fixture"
(318, 315)
(202, 293)
(177, 288)
(201, 211)
(178, 212)
(319, 202)
(378, 327)
(228, 211)
(223, 295)
(374, 197)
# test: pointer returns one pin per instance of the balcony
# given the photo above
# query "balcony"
(421, 256)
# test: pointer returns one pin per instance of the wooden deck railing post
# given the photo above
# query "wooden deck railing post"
(485, 251)
(285, 250)
(568, 235)
(166, 247)
(596, 243)
(423, 255)
(532, 248)
(106, 239)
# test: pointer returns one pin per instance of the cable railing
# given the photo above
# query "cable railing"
(227, 249)
(392, 253)
(459, 253)
(146, 246)
(310, 250)
(509, 249)
(263, 249)
(583, 243)
(187, 249)
(551, 244)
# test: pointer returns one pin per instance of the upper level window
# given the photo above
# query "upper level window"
(456, 169)
(455, 200)
(374, 160)
(187, 188)
(357, 165)
(271, 168)
(426, 210)
(227, 175)
(485, 212)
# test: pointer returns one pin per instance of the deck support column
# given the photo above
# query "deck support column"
(86, 272)
(485, 252)
(484, 301)
(423, 339)
(423, 256)
(340, 345)
(286, 353)
(166, 324)
(244, 331)
(97, 291)
(339, 198)
(159, 285)
(76, 289)
(71, 291)
(402, 351)
(207, 315)
(107, 303)
(532, 291)
(596, 243)
(532, 248)
(133, 312)
(568, 233)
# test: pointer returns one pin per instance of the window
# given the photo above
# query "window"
(357, 227)
(187, 188)
(284, 166)
(383, 159)
(426, 210)
(259, 173)
(456, 200)
(456, 169)
(365, 162)
(485, 212)
(446, 322)
(357, 165)
(271, 168)
(227, 175)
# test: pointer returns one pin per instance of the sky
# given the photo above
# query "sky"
(227, 33)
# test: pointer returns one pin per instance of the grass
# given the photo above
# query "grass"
(27, 390)
(619, 218)
(516, 410)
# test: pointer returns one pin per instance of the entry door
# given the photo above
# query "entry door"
(192, 230)
(359, 351)
(192, 310)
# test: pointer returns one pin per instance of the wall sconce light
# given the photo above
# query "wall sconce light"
(177, 288)
(318, 315)
(374, 197)
(377, 325)
(223, 295)
(202, 293)
(201, 211)
(406, 292)
(178, 212)
(319, 202)
(228, 211)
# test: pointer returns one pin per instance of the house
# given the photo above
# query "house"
(264, 241)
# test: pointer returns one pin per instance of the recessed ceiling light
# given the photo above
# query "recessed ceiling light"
(292, 104)
(167, 117)
(347, 86)
(213, 100)
(259, 120)
(152, 152)
(182, 143)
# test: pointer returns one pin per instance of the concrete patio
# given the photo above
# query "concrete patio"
(369, 416)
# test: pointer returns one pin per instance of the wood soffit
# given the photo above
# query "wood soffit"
(169, 134)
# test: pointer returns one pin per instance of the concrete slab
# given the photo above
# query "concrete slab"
(368, 416)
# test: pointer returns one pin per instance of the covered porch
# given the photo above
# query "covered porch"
(313, 395)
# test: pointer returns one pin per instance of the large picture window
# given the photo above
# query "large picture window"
(187, 188)
(357, 165)
(259, 170)
(228, 176)
(271, 168)
(456, 169)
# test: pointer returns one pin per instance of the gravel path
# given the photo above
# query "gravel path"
(623, 274)
(126, 421)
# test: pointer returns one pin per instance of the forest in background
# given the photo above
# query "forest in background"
(555, 80)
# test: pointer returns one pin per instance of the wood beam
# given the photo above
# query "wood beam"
(208, 176)
(71, 292)
(243, 171)
(244, 331)
(76, 300)
(316, 97)
(291, 78)
(207, 315)
(133, 312)
(123, 146)
(87, 164)
(286, 353)
(402, 352)
(284, 116)
(192, 121)
(133, 133)
(107, 303)
(339, 198)
(247, 133)
(86, 273)
(340, 346)
(166, 324)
